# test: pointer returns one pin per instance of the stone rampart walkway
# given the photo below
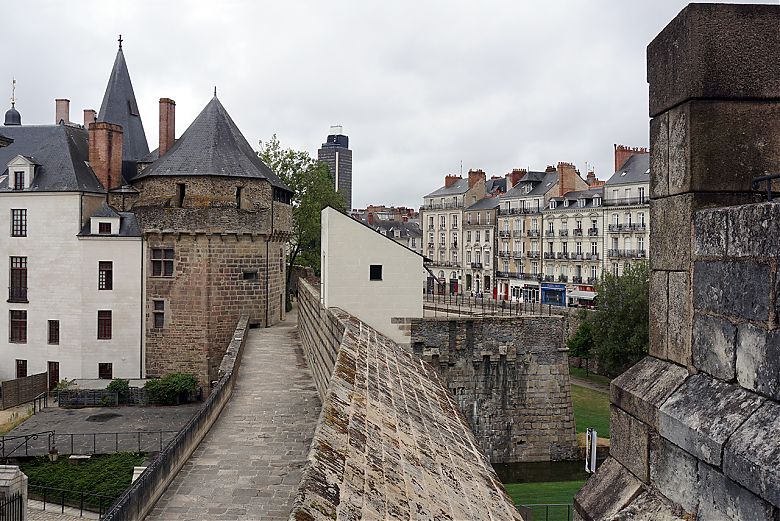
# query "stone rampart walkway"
(249, 465)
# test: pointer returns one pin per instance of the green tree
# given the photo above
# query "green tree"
(620, 324)
(581, 343)
(313, 190)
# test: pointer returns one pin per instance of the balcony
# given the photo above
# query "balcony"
(454, 227)
(517, 211)
(476, 265)
(532, 254)
(442, 226)
(626, 201)
(577, 279)
(504, 233)
(563, 233)
(445, 264)
(549, 255)
(517, 254)
(641, 254)
(593, 256)
(533, 233)
(442, 206)
(508, 275)
(577, 256)
(17, 294)
(563, 278)
(454, 246)
(550, 233)
(578, 232)
(430, 245)
(431, 227)
(505, 254)
(593, 231)
(592, 280)
(549, 278)
(517, 233)
(561, 255)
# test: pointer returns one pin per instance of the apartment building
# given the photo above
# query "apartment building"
(442, 222)
(480, 245)
(407, 234)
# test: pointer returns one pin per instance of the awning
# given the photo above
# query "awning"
(587, 295)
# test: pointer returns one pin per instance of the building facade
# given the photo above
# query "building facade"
(335, 153)
(479, 242)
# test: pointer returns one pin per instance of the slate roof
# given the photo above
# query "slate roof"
(539, 181)
(495, 184)
(120, 108)
(575, 196)
(62, 153)
(487, 203)
(461, 186)
(105, 211)
(212, 145)
(407, 229)
(636, 169)
(128, 224)
(5, 141)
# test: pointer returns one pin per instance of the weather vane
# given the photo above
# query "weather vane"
(13, 92)
(120, 42)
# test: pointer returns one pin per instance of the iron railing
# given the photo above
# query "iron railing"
(42, 443)
(547, 512)
(765, 179)
(485, 305)
(626, 201)
(78, 500)
(12, 508)
(17, 294)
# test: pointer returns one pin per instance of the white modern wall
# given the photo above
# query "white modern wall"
(62, 275)
(348, 250)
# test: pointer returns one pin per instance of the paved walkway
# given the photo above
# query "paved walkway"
(582, 382)
(249, 465)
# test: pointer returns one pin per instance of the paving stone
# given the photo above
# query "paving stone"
(749, 460)
(758, 360)
(714, 346)
(642, 389)
(606, 492)
(701, 415)
(722, 498)
(674, 473)
(249, 464)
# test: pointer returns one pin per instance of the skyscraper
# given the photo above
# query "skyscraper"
(336, 154)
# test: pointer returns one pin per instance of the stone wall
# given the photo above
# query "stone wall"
(694, 424)
(510, 378)
(391, 442)
(320, 332)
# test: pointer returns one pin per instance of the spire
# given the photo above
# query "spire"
(215, 91)
(13, 92)
(12, 116)
(120, 108)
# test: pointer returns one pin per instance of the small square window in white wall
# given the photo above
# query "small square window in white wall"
(375, 272)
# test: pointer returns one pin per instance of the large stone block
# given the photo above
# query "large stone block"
(659, 306)
(680, 322)
(714, 346)
(670, 232)
(659, 156)
(752, 458)
(721, 498)
(606, 492)
(642, 389)
(710, 232)
(754, 230)
(647, 507)
(701, 415)
(629, 445)
(758, 360)
(674, 473)
(715, 51)
(738, 289)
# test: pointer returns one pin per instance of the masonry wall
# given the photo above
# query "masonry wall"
(510, 379)
(320, 333)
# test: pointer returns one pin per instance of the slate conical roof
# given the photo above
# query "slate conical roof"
(120, 108)
(212, 145)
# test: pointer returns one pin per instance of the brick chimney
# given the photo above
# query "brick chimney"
(90, 116)
(167, 125)
(450, 180)
(475, 176)
(567, 178)
(623, 153)
(550, 168)
(590, 178)
(514, 177)
(62, 111)
(105, 153)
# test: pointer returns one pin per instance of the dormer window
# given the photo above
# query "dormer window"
(18, 180)
(21, 169)
(552, 205)
(566, 203)
(597, 201)
(104, 228)
(581, 203)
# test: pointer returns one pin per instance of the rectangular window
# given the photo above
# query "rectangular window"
(18, 180)
(104, 228)
(18, 289)
(181, 193)
(487, 235)
(19, 223)
(106, 371)
(54, 332)
(375, 272)
(21, 368)
(18, 326)
(104, 325)
(159, 314)
(162, 262)
(105, 275)
(594, 248)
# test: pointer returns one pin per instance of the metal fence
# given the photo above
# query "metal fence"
(57, 499)
(547, 512)
(467, 305)
(12, 508)
(43, 443)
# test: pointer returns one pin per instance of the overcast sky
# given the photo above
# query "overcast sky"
(419, 86)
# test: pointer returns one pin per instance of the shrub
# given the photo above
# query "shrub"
(63, 385)
(121, 387)
(171, 389)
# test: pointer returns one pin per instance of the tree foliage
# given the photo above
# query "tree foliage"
(313, 190)
(617, 333)
(581, 342)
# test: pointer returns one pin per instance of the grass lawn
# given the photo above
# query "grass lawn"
(579, 372)
(591, 409)
(107, 475)
(557, 492)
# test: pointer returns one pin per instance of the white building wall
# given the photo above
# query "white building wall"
(59, 271)
(348, 250)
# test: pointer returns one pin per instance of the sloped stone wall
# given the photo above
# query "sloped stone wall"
(510, 379)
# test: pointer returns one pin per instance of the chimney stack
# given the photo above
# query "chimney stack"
(475, 176)
(514, 177)
(167, 125)
(450, 180)
(90, 116)
(105, 153)
(623, 153)
(567, 178)
(62, 112)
